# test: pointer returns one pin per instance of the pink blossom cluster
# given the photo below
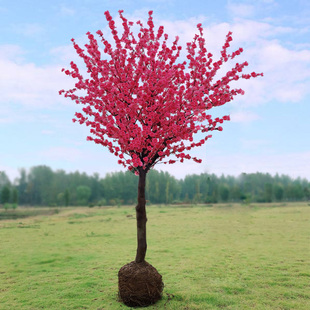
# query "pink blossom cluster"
(144, 105)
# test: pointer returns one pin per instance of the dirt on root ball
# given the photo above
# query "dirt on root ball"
(139, 284)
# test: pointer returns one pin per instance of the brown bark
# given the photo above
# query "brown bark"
(141, 218)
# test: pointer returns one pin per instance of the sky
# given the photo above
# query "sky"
(269, 128)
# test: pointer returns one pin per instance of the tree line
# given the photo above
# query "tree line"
(41, 186)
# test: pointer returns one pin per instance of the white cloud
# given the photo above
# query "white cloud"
(66, 53)
(29, 84)
(185, 29)
(287, 72)
(11, 52)
(244, 117)
(286, 69)
(251, 32)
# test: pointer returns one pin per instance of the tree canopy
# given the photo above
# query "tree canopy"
(142, 103)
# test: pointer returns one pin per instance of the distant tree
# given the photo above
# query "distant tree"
(67, 197)
(83, 194)
(189, 187)
(197, 195)
(4, 179)
(167, 193)
(235, 192)
(143, 105)
(268, 192)
(14, 195)
(60, 198)
(40, 180)
(95, 187)
(298, 191)
(224, 192)
(5, 194)
(215, 194)
(120, 186)
(278, 192)
(293, 191)
(155, 191)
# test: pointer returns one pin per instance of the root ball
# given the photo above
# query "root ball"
(139, 284)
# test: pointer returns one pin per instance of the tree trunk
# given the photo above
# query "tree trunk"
(141, 218)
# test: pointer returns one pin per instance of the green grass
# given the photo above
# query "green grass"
(219, 257)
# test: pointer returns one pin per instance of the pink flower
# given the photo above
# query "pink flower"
(141, 100)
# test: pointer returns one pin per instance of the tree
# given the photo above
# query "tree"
(67, 197)
(14, 195)
(83, 194)
(278, 192)
(5, 194)
(4, 180)
(224, 192)
(268, 192)
(144, 106)
(235, 193)
(39, 185)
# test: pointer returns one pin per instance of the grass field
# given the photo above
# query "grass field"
(215, 257)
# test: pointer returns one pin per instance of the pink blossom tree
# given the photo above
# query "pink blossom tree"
(144, 105)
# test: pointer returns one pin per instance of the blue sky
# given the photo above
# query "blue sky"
(269, 126)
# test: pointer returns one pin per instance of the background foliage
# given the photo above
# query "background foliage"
(41, 186)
